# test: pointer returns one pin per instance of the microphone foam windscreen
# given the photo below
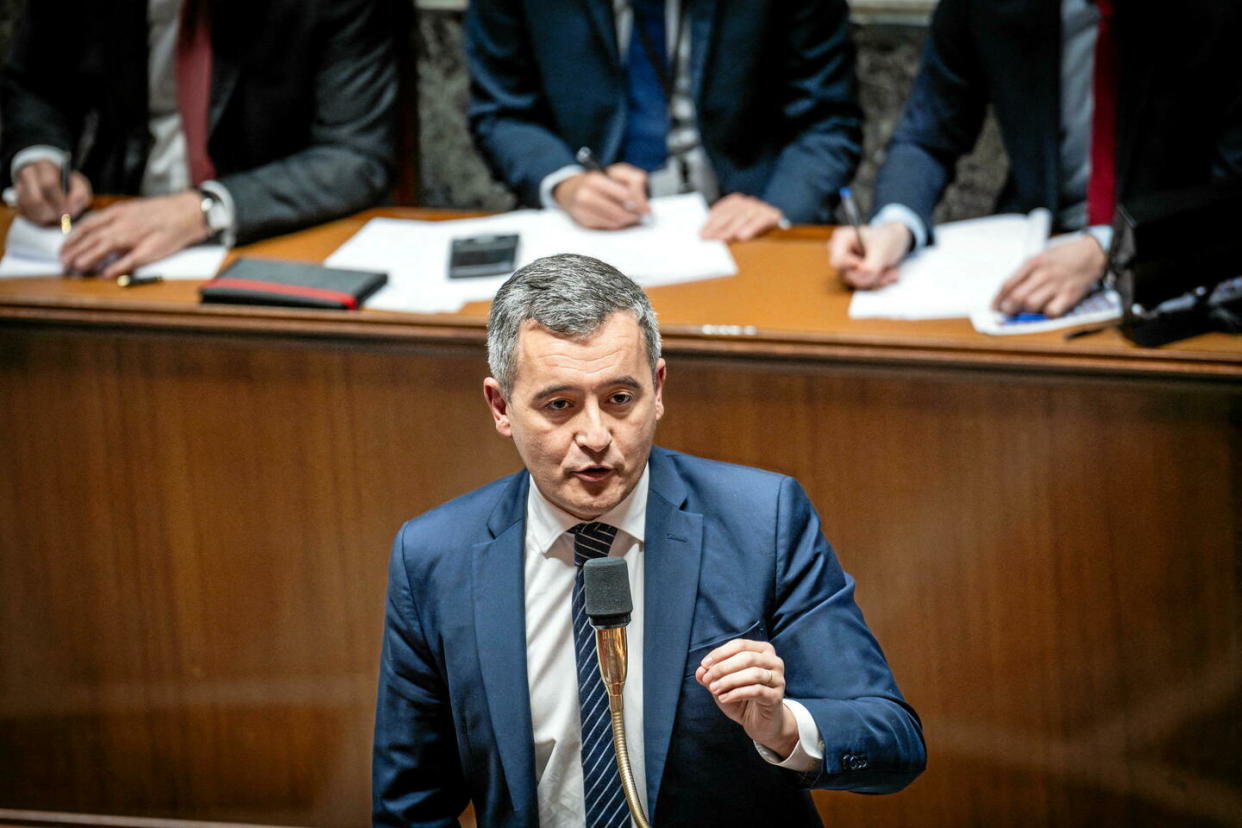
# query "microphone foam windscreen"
(606, 590)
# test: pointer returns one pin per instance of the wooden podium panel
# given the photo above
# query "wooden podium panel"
(196, 508)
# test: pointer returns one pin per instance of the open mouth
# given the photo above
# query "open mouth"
(593, 474)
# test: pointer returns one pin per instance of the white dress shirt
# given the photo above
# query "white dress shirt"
(552, 671)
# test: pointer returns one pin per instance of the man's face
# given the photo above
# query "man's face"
(582, 412)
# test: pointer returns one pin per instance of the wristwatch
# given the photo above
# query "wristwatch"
(213, 211)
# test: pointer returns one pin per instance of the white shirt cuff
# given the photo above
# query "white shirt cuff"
(551, 180)
(38, 152)
(808, 753)
(902, 214)
(228, 212)
(1102, 233)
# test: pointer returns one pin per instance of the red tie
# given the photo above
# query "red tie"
(194, 86)
(1102, 189)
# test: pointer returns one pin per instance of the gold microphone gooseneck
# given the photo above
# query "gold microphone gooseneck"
(610, 643)
(606, 590)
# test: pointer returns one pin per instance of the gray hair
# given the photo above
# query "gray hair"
(568, 294)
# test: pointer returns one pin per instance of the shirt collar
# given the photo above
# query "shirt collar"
(545, 521)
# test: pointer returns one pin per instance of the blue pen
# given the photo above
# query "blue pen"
(1026, 317)
(851, 213)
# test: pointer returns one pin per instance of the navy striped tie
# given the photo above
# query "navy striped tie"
(601, 784)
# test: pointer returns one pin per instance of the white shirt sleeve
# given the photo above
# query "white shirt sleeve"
(902, 214)
(226, 223)
(551, 180)
(808, 753)
(38, 152)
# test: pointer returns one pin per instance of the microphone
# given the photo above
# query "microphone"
(606, 593)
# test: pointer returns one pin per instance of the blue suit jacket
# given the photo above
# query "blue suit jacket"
(1179, 105)
(773, 85)
(731, 552)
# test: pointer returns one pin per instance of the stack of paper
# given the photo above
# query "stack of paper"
(663, 250)
(31, 250)
(961, 273)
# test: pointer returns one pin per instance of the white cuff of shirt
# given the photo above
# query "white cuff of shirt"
(228, 233)
(902, 214)
(38, 152)
(551, 180)
(1102, 233)
(808, 753)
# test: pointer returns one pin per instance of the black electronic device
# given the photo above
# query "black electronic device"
(1175, 259)
(475, 256)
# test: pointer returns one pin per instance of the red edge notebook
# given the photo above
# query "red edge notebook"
(271, 282)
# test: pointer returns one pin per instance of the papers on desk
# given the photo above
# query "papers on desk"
(665, 250)
(962, 273)
(31, 250)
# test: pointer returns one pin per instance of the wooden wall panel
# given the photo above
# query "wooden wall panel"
(195, 530)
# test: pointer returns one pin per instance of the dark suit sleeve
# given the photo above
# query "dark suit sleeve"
(873, 740)
(942, 118)
(39, 98)
(347, 163)
(820, 111)
(416, 774)
(1227, 165)
(508, 112)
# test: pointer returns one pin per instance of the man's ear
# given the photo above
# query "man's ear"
(498, 405)
(660, 373)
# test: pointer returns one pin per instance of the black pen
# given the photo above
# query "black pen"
(851, 213)
(128, 280)
(586, 158)
(66, 168)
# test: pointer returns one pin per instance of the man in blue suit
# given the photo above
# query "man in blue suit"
(753, 676)
(1171, 77)
(754, 103)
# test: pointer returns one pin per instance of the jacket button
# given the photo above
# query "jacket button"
(853, 761)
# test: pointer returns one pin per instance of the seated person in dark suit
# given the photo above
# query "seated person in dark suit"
(1094, 106)
(235, 119)
(752, 104)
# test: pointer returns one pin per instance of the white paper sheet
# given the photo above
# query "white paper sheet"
(30, 250)
(665, 250)
(1097, 308)
(961, 273)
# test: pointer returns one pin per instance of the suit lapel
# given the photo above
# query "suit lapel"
(671, 582)
(602, 16)
(231, 38)
(500, 624)
(1044, 64)
(701, 19)
(1136, 70)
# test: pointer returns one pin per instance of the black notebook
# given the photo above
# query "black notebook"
(271, 282)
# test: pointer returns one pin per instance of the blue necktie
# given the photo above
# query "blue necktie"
(645, 144)
(601, 784)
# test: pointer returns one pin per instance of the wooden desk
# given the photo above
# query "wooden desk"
(196, 507)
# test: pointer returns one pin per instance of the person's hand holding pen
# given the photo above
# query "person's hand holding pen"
(601, 199)
(42, 198)
(867, 257)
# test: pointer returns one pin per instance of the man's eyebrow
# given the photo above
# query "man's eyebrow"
(553, 389)
(626, 381)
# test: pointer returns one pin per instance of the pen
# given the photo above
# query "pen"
(128, 280)
(586, 158)
(851, 213)
(66, 220)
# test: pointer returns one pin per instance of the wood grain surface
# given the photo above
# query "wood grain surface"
(196, 509)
